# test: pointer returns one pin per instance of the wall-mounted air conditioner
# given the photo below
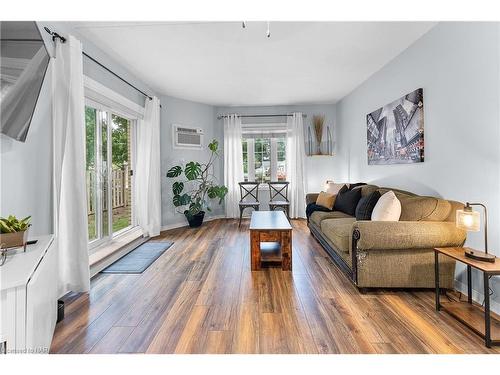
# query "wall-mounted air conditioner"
(185, 137)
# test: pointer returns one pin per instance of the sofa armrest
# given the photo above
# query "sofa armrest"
(311, 198)
(387, 235)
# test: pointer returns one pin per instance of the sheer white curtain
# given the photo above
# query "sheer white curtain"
(70, 201)
(233, 163)
(148, 175)
(295, 164)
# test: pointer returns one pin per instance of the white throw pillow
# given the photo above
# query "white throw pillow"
(333, 188)
(388, 208)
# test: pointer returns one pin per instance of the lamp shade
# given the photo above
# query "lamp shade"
(468, 220)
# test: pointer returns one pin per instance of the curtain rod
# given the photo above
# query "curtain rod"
(63, 40)
(116, 75)
(284, 115)
(21, 40)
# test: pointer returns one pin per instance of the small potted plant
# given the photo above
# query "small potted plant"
(14, 232)
(203, 182)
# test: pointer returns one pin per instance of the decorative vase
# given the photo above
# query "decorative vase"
(195, 221)
(16, 239)
(318, 131)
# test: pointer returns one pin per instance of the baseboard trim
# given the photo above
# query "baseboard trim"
(477, 296)
(185, 224)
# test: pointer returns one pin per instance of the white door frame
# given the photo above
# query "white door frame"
(100, 110)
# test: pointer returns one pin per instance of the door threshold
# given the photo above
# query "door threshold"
(119, 246)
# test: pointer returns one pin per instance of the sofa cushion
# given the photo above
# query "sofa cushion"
(388, 208)
(366, 205)
(347, 201)
(424, 208)
(442, 211)
(399, 193)
(317, 217)
(338, 232)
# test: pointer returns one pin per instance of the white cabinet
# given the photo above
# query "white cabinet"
(28, 303)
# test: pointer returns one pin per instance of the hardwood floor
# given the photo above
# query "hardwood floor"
(201, 297)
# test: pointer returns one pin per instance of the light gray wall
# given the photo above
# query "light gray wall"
(457, 65)
(318, 168)
(183, 112)
(191, 114)
(26, 168)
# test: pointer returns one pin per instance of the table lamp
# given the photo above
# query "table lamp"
(327, 184)
(470, 220)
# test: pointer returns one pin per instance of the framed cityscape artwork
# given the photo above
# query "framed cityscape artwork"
(395, 132)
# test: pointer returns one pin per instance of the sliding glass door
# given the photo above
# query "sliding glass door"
(121, 175)
(109, 140)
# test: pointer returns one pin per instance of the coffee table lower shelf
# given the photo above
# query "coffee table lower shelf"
(270, 252)
(472, 316)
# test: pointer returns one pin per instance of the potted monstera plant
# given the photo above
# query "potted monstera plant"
(195, 186)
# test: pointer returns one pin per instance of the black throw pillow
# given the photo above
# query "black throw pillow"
(343, 189)
(347, 201)
(365, 206)
(355, 185)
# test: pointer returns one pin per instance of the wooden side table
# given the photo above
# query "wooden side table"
(466, 312)
(270, 239)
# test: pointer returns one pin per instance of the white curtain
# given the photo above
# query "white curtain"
(71, 231)
(233, 163)
(147, 170)
(295, 165)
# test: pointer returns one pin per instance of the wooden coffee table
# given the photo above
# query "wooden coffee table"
(270, 239)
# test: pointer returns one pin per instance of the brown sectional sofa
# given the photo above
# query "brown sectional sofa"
(382, 254)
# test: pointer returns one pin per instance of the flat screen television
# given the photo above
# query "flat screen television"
(23, 63)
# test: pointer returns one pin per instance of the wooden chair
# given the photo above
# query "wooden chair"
(278, 194)
(248, 190)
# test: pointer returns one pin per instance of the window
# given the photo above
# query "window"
(264, 158)
(108, 165)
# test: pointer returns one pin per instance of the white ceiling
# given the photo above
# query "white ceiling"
(220, 63)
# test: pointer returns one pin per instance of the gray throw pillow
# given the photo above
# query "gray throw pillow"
(365, 206)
